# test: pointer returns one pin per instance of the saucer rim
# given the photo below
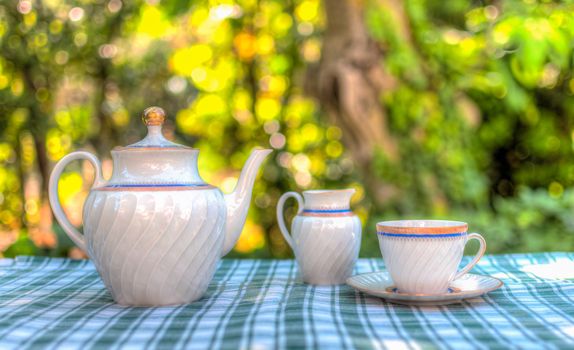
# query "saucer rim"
(383, 293)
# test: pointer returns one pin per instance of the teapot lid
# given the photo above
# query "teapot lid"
(154, 163)
(153, 118)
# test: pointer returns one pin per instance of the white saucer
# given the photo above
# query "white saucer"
(381, 285)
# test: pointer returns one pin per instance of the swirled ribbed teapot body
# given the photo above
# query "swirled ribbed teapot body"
(155, 230)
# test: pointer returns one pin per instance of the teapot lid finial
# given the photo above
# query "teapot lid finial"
(154, 118)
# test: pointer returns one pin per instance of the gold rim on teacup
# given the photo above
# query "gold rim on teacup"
(422, 227)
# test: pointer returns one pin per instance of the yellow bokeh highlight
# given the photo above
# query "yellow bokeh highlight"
(199, 75)
(242, 100)
(184, 61)
(198, 17)
(121, 117)
(63, 119)
(30, 19)
(4, 81)
(538, 28)
(241, 104)
(6, 152)
(307, 10)
(252, 238)
(57, 144)
(245, 46)
(301, 162)
(152, 22)
(28, 151)
(276, 85)
(265, 44)
(267, 108)
(213, 79)
(210, 104)
(216, 129)
(205, 116)
(334, 133)
(281, 24)
(318, 165)
(469, 45)
(502, 32)
(334, 149)
(555, 189)
(310, 132)
(185, 121)
(56, 26)
(311, 50)
(228, 184)
(70, 184)
(222, 34)
(17, 87)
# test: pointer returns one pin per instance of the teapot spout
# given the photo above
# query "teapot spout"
(237, 202)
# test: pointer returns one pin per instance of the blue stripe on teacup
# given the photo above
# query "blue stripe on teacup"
(326, 211)
(422, 235)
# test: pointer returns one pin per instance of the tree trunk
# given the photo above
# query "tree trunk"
(348, 84)
(38, 125)
(107, 137)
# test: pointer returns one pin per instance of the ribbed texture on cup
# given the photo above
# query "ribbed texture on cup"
(422, 265)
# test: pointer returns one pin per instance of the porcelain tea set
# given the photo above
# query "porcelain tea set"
(155, 231)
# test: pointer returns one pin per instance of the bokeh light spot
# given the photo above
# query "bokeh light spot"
(176, 84)
(271, 126)
(277, 140)
(267, 108)
(61, 57)
(76, 14)
(307, 10)
(114, 6)
(245, 46)
(24, 6)
(107, 51)
(555, 189)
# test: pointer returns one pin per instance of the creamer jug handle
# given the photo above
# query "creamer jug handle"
(67, 226)
(281, 220)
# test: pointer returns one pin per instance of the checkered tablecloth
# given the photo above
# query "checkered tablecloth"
(259, 304)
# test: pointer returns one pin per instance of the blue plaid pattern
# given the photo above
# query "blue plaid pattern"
(261, 304)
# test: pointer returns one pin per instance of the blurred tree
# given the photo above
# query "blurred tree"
(441, 109)
(349, 81)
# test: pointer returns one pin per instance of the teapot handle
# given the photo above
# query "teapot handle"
(70, 230)
(281, 220)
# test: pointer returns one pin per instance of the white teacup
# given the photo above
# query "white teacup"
(422, 256)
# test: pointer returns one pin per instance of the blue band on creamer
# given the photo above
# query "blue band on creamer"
(326, 211)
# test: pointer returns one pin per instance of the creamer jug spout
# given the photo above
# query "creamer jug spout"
(237, 202)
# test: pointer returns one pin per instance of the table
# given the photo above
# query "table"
(50, 303)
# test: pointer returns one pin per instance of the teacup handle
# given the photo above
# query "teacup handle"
(478, 255)
(67, 226)
(281, 220)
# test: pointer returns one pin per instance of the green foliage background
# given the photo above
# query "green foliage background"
(481, 104)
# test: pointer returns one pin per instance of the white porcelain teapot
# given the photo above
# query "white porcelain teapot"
(155, 230)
